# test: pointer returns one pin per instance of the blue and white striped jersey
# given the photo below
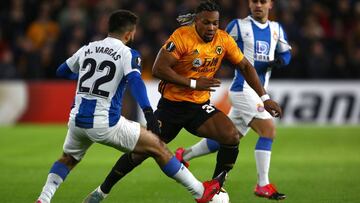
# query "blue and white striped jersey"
(102, 67)
(260, 43)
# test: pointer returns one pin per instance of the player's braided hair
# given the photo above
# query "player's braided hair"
(206, 5)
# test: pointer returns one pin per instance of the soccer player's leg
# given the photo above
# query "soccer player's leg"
(75, 147)
(152, 145)
(247, 111)
(203, 147)
(265, 128)
(130, 160)
(216, 125)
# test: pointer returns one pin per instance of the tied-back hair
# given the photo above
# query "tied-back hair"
(206, 5)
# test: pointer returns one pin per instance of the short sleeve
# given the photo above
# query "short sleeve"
(131, 61)
(135, 60)
(233, 52)
(233, 29)
(283, 45)
(175, 45)
(73, 61)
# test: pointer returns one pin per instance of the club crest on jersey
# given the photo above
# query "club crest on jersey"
(170, 46)
(275, 36)
(219, 50)
(197, 62)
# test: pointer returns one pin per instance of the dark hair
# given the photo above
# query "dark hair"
(206, 5)
(121, 21)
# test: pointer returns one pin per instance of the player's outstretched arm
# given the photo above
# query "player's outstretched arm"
(64, 71)
(252, 78)
(162, 69)
(138, 90)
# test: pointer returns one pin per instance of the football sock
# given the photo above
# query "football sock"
(205, 146)
(57, 175)
(176, 170)
(226, 158)
(262, 157)
(123, 166)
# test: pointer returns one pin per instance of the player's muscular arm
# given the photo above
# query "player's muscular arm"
(162, 69)
(251, 77)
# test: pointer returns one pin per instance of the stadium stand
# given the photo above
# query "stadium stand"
(36, 36)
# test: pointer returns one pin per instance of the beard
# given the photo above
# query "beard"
(130, 42)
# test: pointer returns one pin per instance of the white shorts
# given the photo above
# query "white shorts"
(123, 136)
(245, 106)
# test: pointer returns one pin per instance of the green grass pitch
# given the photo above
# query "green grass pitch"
(309, 164)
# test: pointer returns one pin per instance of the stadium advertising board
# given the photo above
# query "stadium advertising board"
(303, 102)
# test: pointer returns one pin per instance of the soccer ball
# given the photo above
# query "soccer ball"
(221, 197)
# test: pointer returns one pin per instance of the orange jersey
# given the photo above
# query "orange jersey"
(197, 58)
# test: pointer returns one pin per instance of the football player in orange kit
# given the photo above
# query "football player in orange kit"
(186, 65)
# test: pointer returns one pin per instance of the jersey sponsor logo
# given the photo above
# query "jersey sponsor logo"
(209, 65)
(170, 46)
(262, 49)
(197, 62)
(219, 50)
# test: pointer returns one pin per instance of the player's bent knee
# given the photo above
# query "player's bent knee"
(157, 148)
(232, 137)
(68, 160)
(138, 158)
(269, 132)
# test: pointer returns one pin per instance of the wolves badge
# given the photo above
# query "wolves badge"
(219, 50)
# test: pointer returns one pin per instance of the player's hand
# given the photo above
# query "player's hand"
(206, 84)
(273, 108)
(152, 123)
(277, 63)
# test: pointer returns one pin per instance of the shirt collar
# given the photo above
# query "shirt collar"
(257, 23)
(115, 40)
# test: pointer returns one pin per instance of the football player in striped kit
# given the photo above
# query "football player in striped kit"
(103, 69)
(264, 44)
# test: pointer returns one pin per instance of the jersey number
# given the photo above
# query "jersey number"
(208, 108)
(104, 79)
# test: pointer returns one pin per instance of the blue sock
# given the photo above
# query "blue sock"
(264, 143)
(212, 145)
(60, 169)
(171, 167)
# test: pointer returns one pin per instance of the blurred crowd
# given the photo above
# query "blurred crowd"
(37, 36)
